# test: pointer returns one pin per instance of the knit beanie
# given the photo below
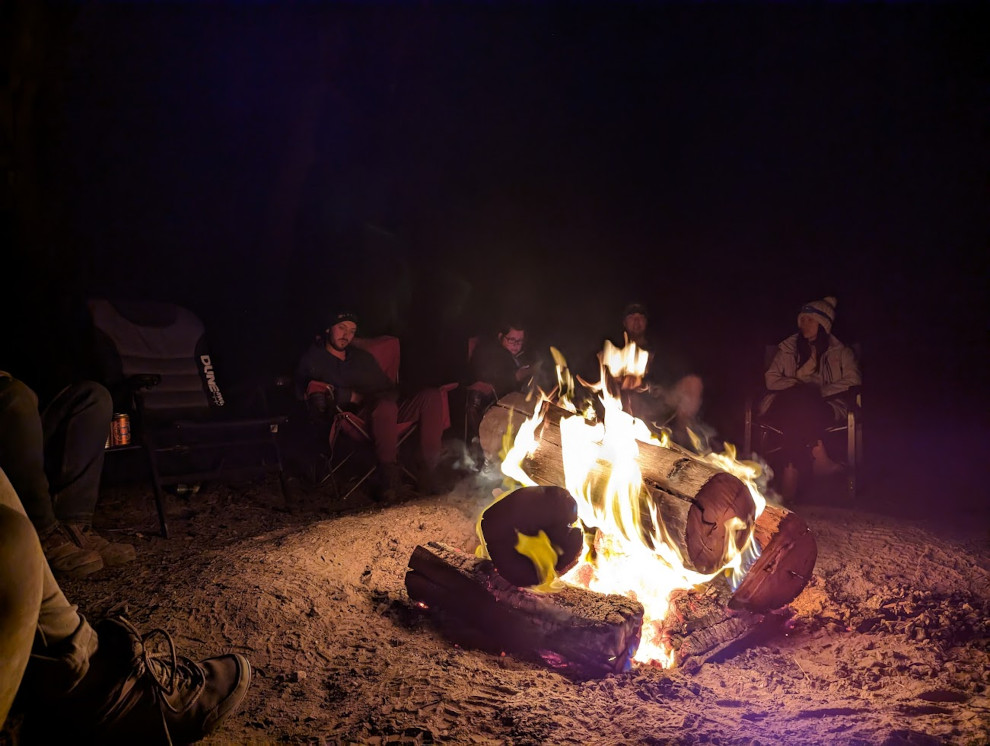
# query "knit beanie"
(823, 311)
(341, 315)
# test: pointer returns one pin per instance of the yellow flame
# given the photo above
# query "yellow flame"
(543, 554)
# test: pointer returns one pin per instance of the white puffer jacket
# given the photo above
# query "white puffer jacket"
(838, 371)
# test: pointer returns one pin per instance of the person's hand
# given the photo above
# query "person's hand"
(356, 398)
(632, 383)
(523, 372)
(807, 371)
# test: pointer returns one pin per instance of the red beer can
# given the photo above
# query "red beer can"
(120, 429)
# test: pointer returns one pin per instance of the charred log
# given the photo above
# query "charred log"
(576, 631)
(696, 502)
(789, 551)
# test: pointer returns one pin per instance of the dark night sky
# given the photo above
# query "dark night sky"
(724, 163)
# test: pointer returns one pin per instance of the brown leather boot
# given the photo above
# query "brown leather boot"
(113, 553)
(139, 690)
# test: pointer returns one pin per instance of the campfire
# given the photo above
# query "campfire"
(610, 544)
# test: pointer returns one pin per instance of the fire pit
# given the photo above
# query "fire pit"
(681, 556)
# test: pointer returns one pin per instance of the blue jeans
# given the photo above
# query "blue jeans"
(54, 458)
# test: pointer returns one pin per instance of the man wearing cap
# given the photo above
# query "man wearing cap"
(665, 396)
(353, 381)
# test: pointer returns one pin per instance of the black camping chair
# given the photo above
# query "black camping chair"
(157, 364)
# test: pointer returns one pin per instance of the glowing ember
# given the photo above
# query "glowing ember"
(628, 551)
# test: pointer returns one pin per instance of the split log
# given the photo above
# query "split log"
(788, 554)
(576, 631)
(695, 501)
(700, 625)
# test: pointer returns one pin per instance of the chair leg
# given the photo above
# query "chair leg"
(851, 452)
(359, 482)
(156, 483)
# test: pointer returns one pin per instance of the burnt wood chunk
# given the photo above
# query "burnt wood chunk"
(576, 631)
(789, 551)
(528, 511)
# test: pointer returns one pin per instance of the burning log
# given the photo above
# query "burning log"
(789, 551)
(576, 631)
(700, 624)
(696, 502)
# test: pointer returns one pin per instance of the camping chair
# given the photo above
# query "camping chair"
(157, 364)
(356, 431)
(766, 439)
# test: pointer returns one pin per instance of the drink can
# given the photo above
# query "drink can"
(120, 429)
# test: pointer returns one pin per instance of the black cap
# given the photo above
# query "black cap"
(635, 308)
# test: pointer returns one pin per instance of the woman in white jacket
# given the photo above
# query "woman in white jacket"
(806, 380)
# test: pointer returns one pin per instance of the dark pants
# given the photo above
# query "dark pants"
(477, 403)
(802, 416)
(54, 458)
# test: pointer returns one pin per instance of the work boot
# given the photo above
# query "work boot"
(67, 557)
(137, 692)
(113, 553)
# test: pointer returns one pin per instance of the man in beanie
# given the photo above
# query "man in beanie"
(807, 379)
(333, 375)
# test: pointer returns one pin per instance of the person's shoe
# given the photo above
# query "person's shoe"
(390, 487)
(66, 557)
(141, 692)
(822, 464)
(789, 483)
(113, 553)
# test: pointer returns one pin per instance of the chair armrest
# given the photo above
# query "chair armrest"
(853, 396)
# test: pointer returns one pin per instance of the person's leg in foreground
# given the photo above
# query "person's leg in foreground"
(22, 448)
(75, 427)
(108, 685)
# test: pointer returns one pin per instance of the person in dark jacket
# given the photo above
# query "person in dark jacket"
(335, 375)
(499, 366)
(667, 395)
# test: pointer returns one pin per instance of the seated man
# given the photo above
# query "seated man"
(54, 459)
(666, 397)
(502, 364)
(353, 381)
(102, 685)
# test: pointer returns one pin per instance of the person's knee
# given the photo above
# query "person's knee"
(95, 396)
(433, 398)
(21, 561)
(385, 409)
(17, 398)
